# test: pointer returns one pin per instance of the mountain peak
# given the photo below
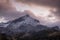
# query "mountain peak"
(24, 24)
(25, 17)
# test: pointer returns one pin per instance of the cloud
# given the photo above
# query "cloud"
(54, 3)
(50, 3)
(9, 12)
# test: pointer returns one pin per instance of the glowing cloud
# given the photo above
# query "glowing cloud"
(38, 11)
(2, 19)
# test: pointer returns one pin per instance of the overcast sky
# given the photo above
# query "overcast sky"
(47, 11)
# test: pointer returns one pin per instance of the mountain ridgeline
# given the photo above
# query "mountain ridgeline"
(27, 28)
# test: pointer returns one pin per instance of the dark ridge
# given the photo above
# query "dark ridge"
(20, 19)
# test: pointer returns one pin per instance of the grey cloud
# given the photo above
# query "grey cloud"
(50, 3)
(53, 3)
(56, 13)
(8, 11)
(5, 6)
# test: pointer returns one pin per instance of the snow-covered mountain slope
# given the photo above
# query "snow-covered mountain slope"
(24, 24)
(4, 24)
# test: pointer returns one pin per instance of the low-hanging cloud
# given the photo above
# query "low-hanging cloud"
(51, 3)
